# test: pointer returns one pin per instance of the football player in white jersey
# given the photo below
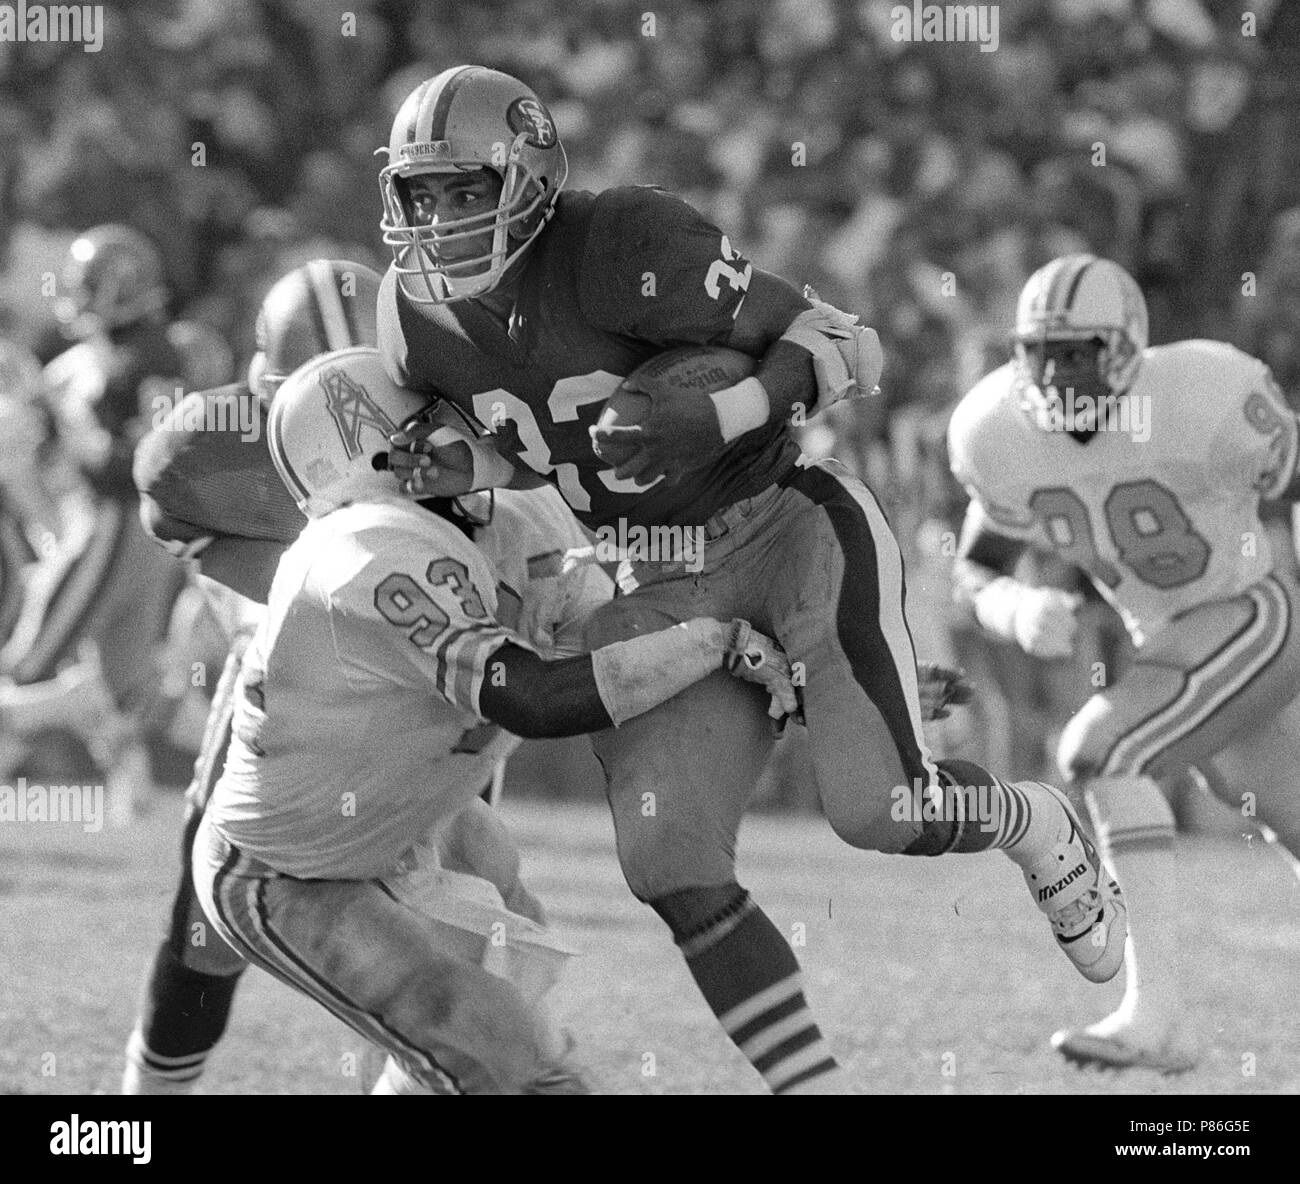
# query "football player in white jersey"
(370, 712)
(1144, 467)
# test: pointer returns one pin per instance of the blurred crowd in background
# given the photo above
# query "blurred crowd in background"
(916, 184)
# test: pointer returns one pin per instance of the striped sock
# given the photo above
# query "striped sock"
(749, 976)
(182, 1016)
(148, 1073)
(979, 812)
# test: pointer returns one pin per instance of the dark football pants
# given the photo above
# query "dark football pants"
(190, 937)
(15, 554)
(118, 592)
(812, 562)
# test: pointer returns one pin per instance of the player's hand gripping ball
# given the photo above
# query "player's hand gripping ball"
(660, 422)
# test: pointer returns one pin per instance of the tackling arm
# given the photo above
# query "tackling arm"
(537, 699)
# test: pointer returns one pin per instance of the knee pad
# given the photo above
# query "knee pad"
(1128, 813)
(692, 912)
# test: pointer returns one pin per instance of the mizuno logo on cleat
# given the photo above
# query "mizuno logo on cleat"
(1052, 889)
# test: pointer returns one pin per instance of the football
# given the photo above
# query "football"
(698, 368)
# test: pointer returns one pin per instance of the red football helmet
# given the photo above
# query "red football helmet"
(323, 305)
(113, 277)
(468, 118)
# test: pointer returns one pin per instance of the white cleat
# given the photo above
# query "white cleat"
(1109, 1044)
(1083, 903)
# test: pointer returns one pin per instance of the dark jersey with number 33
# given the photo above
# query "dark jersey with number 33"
(616, 278)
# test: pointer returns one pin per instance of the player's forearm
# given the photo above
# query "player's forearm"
(785, 378)
(536, 699)
(811, 356)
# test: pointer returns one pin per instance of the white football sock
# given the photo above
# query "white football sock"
(1032, 823)
(172, 1076)
(1135, 832)
(140, 1081)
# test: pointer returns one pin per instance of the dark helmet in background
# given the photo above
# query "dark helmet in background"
(322, 306)
(112, 277)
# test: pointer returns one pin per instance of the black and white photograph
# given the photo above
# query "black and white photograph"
(583, 547)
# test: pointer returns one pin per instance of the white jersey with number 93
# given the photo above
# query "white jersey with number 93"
(358, 724)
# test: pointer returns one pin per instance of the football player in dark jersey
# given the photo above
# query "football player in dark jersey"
(527, 306)
(100, 620)
(209, 491)
(26, 510)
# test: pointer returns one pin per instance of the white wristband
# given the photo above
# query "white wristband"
(741, 408)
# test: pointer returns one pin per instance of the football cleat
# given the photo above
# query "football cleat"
(1083, 903)
(1112, 1044)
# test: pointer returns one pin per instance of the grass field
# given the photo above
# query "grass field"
(929, 976)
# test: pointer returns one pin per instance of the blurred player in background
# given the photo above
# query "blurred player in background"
(27, 512)
(1146, 468)
(210, 493)
(527, 307)
(89, 650)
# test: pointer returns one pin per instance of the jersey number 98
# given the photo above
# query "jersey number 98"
(1151, 531)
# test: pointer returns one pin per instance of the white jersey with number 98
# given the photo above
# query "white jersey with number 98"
(1159, 506)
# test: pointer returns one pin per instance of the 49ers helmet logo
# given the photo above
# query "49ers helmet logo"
(352, 408)
(528, 115)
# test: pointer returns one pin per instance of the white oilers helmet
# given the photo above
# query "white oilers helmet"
(329, 426)
(1081, 322)
(469, 118)
(328, 433)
